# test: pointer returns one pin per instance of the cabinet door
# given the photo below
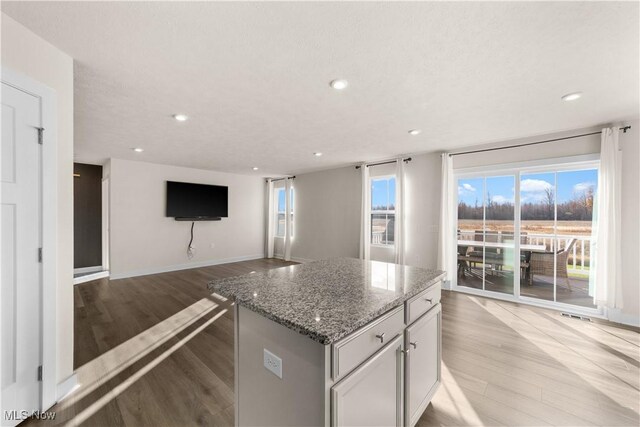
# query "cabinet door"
(422, 370)
(372, 394)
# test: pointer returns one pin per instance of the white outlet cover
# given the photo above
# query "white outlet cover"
(273, 363)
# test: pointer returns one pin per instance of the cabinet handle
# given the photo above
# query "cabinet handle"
(429, 299)
(414, 344)
(381, 337)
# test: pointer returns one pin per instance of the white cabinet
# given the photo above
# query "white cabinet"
(422, 363)
(371, 394)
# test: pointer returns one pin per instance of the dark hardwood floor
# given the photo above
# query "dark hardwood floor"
(158, 351)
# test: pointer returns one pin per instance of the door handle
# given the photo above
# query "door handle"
(430, 300)
(381, 337)
(414, 344)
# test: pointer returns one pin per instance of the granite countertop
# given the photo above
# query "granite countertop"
(328, 299)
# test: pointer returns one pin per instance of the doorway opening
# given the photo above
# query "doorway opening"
(90, 223)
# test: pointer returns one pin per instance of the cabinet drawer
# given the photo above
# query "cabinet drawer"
(354, 349)
(421, 303)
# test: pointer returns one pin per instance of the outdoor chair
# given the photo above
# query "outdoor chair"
(542, 263)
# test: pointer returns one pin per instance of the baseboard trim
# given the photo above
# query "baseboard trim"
(82, 270)
(293, 258)
(301, 260)
(90, 277)
(616, 315)
(66, 387)
(146, 272)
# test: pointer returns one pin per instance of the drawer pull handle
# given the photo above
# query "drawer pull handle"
(429, 299)
(414, 344)
(381, 337)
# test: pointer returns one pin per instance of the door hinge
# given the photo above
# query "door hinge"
(40, 373)
(39, 254)
(40, 135)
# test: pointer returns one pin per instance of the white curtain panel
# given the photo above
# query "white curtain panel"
(608, 217)
(270, 219)
(400, 212)
(288, 183)
(365, 216)
(446, 242)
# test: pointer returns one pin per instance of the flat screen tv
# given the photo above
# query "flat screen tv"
(196, 202)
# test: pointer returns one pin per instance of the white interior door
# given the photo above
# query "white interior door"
(21, 239)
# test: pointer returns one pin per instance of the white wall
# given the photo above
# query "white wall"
(564, 148)
(422, 210)
(327, 214)
(28, 54)
(144, 241)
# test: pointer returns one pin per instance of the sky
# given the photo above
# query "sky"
(281, 200)
(383, 192)
(532, 186)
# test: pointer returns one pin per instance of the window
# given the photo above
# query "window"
(280, 219)
(383, 210)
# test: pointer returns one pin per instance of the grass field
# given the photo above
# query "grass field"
(579, 228)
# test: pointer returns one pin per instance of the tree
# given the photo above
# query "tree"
(549, 199)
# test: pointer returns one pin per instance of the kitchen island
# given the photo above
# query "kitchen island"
(335, 342)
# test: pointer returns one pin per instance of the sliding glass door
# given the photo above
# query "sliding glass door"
(557, 217)
(527, 233)
(486, 249)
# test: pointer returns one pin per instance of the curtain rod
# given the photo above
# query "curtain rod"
(279, 179)
(407, 159)
(623, 129)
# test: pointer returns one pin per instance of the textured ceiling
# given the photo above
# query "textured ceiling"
(253, 77)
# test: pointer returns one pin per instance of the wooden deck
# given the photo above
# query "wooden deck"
(158, 351)
(540, 288)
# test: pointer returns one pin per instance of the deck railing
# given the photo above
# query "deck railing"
(580, 255)
(579, 258)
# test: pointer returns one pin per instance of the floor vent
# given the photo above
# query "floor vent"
(577, 316)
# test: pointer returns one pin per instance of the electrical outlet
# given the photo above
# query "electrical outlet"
(273, 363)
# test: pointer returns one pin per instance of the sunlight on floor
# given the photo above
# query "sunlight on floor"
(567, 353)
(101, 369)
(452, 401)
(120, 388)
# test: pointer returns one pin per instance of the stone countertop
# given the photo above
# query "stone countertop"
(328, 299)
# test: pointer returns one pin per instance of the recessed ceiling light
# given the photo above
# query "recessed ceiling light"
(180, 117)
(415, 132)
(317, 154)
(255, 168)
(572, 96)
(339, 84)
(138, 150)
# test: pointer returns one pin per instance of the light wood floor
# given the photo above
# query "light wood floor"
(158, 351)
